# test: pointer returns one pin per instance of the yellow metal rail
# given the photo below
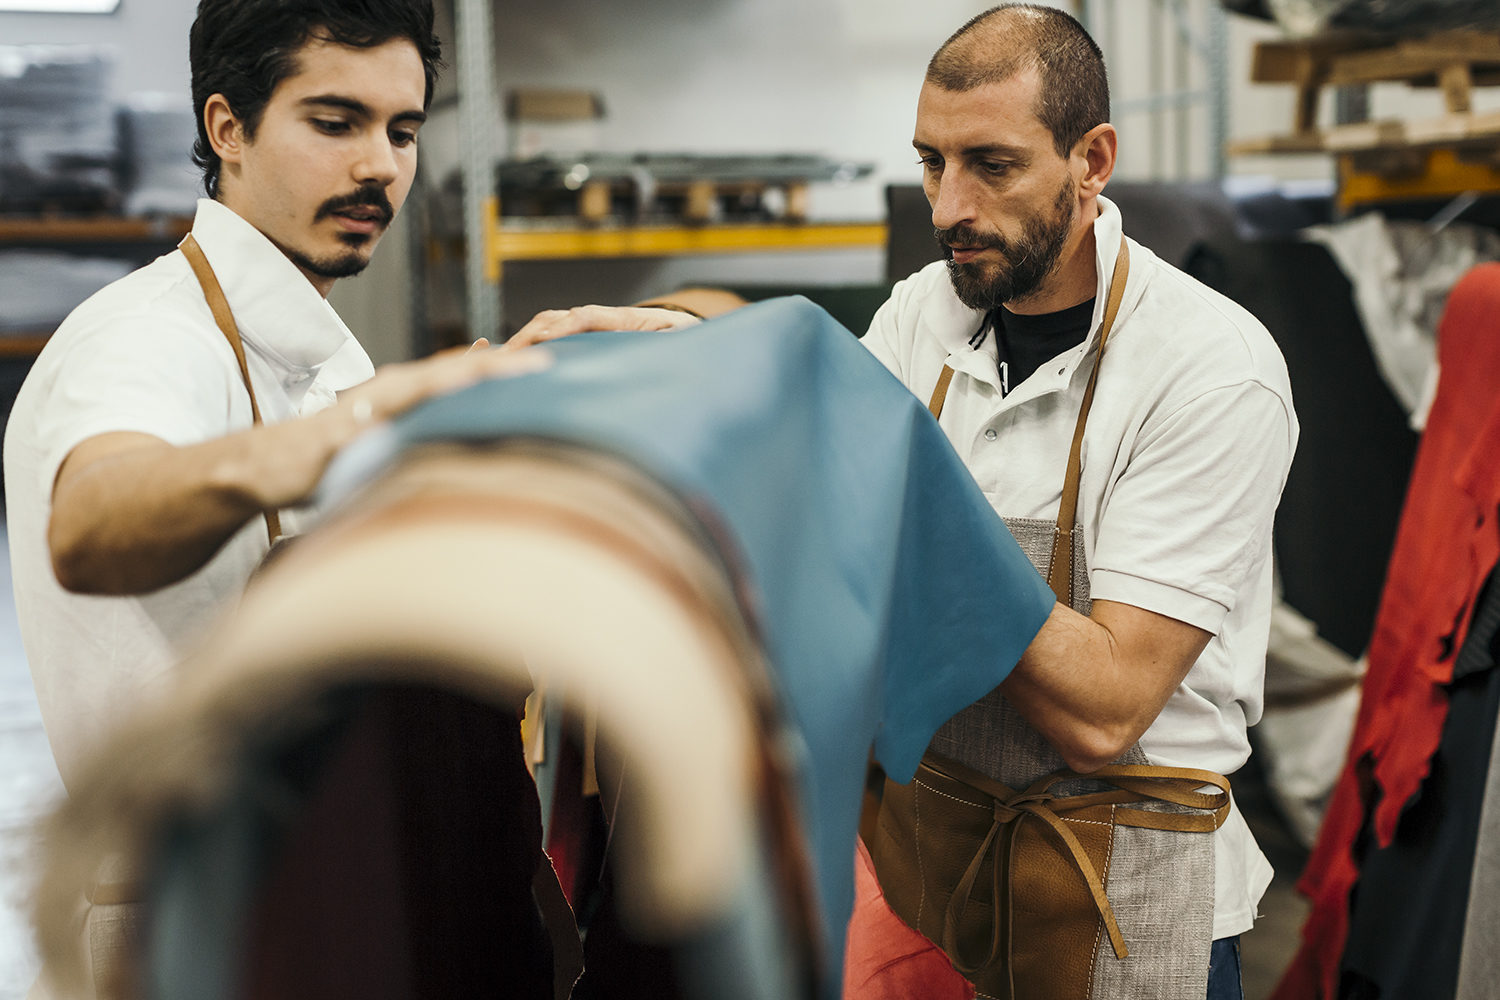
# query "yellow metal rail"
(536, 243)
(1443, 174)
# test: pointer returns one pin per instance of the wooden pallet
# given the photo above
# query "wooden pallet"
(1391, 160)
(1455, 61)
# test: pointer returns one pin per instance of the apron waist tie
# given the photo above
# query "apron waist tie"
(1134, 783)
(1008, 813)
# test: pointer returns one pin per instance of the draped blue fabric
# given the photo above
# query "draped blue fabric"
(887, 592)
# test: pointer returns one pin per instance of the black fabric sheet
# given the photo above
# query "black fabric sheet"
(1407, 917)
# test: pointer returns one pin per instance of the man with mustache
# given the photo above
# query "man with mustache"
(177, 421)
(1184, 451)
(1157, 656)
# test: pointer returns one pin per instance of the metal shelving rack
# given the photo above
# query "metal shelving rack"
(491, 243)
(1206, 41)
(137, 239)
(479, 119)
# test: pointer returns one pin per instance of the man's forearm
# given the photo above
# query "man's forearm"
(132, 513)
(1092, 686)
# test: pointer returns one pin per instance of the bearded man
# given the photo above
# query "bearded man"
(1184, 450)
(1143, 483)
(178, 421)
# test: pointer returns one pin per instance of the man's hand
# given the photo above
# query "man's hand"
(132, 513)
(554, 323)
(396, 388)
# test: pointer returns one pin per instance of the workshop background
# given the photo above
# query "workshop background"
(1332, 165)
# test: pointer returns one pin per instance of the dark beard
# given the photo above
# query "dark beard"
(1028, 260)
(339, 266)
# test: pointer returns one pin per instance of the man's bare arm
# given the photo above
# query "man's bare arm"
(132, 513)
(1093, 685)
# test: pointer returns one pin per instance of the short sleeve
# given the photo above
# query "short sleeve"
(1192, 514)
(151, 376)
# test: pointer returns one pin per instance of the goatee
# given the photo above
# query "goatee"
(370, 198)
(344, 265)
(1026, 261)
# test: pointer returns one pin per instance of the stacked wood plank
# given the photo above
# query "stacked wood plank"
(1456, 62)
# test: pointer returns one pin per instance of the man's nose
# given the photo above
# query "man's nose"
(952, 200)
(376, 163)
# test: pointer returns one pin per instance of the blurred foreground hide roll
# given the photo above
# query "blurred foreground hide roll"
(736, 561)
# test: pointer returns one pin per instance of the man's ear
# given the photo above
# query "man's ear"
(225, 133)
(1096, 151)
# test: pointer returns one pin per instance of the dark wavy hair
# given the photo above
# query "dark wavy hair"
(994, 46)
(244, 48)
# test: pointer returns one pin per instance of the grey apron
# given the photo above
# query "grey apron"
(1160, 883)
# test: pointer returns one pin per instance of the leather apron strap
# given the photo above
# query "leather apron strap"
(1134, 783)
(219, 306)
(1059, 575)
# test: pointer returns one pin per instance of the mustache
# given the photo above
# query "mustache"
(1017, 253)
(968, 237)
(367, 197)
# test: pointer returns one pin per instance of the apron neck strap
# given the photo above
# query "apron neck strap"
(1060, 567)
(219, 306)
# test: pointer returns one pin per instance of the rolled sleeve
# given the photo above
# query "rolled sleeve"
(1194, 510)
(1164, 599)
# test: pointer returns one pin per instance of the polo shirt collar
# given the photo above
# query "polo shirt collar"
(279, 313)
(954, 323)
(1058, 373)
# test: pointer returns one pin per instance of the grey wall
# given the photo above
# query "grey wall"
(148, 39)
(148, 36)
(838, 77)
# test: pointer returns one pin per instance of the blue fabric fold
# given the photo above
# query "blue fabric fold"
(888, 593)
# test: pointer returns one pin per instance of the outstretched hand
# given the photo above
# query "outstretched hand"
(396, 388)
(554, 323)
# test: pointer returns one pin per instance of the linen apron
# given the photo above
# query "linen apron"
(1159, 882)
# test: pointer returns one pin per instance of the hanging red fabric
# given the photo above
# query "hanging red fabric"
(1446, 545)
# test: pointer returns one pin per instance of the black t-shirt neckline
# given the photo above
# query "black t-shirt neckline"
(1026, 342)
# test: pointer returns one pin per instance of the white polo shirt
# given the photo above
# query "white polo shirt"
(144, 354)
(1185, 455)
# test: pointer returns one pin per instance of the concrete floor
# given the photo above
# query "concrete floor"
(29, 784)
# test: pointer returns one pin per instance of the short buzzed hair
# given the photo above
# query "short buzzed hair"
(1004, 40)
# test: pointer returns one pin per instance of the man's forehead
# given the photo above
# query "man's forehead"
(993, 113)
(387, 74)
